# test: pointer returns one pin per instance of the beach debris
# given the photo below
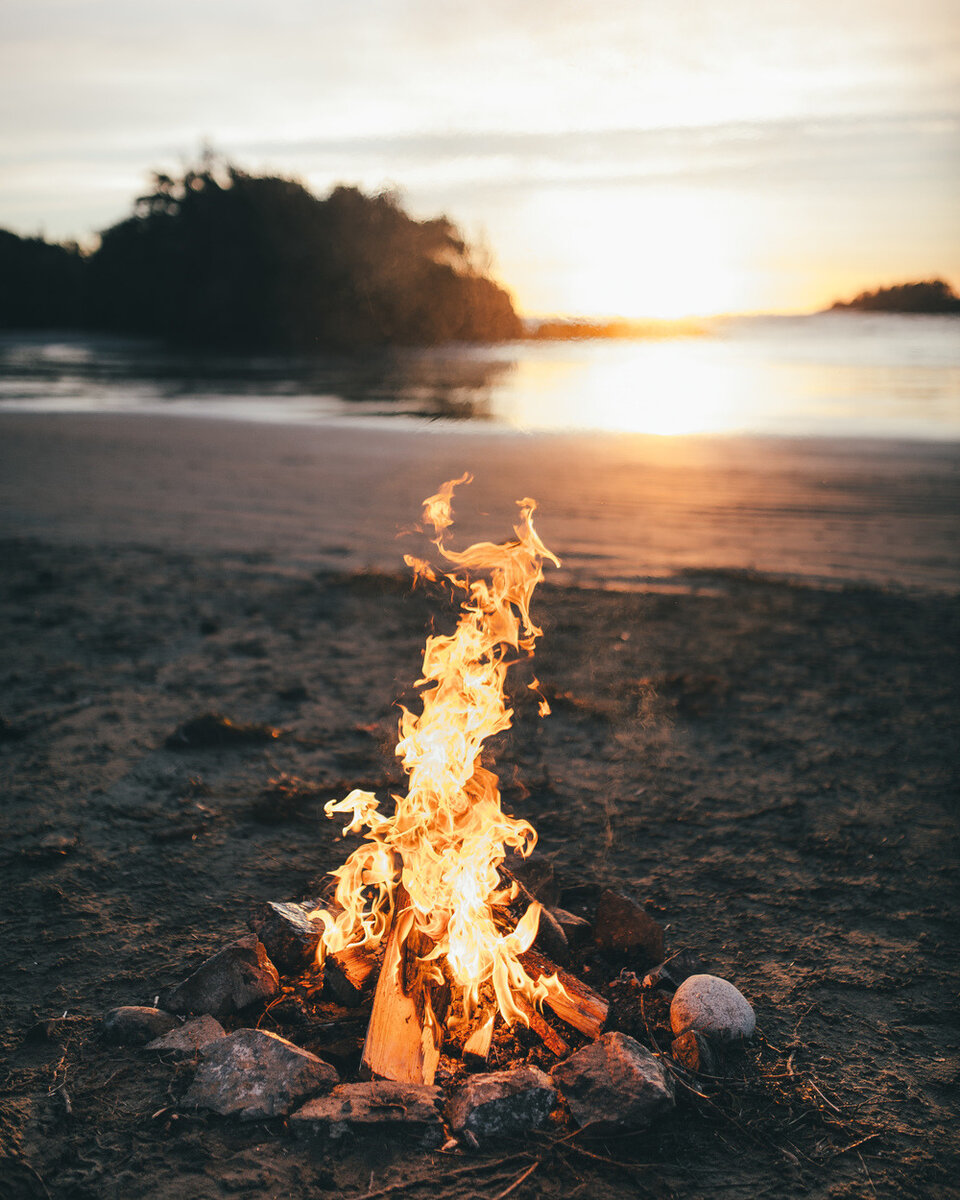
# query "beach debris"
(188, 1039)
(502, 1103)
(614, 1083)
(53, 845)
(380, 1106)
(693, 1052)
(214, 731)
(674, 970)
(226, 983)
(623, 927)
(711, 1005)
(135, 1025)
(289, 935)
(253, 1074)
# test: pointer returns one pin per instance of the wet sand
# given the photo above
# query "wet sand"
(769, 766)
(617, 509)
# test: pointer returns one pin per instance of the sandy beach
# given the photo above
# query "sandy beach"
(752, 652)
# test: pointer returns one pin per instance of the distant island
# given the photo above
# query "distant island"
(219, 258)
(930, 296)
(574, 329)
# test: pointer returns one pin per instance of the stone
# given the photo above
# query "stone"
(253, 1074)
(188, 1039)
(378, 1106)
(537, 875)
(135, 1025)
(502, 1103)
(577, 930)
(624, 928)
(614, 1083)
(239, 975)
(710, 1005)
(674, 970)
(289, 936)
(551, 938)
(692, 1051)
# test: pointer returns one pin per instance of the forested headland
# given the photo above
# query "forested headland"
(218, 257)
(927, 296)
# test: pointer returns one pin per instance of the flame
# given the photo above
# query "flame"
(448, 835)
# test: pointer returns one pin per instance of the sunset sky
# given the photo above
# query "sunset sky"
(632, 157)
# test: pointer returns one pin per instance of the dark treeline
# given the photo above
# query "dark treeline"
(222, 258)
(930, 296)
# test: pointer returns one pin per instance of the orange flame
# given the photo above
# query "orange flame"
(448, 835)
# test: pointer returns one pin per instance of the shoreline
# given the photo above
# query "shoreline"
(619, 510)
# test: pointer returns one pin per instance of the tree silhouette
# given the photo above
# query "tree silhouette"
(220, 257)
(930, 296)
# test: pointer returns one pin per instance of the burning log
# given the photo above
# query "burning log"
(550, 1038)
(476, 1049)
(347, 974)
(578, 1005)
(409, 1007)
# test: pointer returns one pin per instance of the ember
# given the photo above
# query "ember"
(427, 879)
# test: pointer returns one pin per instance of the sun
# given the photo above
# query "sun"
(643, 252)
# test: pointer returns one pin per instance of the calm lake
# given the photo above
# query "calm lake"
(828, 375)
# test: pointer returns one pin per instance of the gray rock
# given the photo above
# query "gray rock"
(710, 1005)
(253, 1074)
(288, 934)
(614, 1083)
(674, 970)
(502, 1103)
(239, 975)
(135, 1025)
(377, 1106)
(188, 1039)
(624, 928)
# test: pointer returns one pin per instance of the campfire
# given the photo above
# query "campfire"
(434, 943)
(428, 887)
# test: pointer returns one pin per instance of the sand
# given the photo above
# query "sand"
(767, 763)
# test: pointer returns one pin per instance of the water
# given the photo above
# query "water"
(829, 375)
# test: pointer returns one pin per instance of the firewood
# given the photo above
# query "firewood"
(550, 1038)
(405, 1032)
(476, 1048)
(347, 973)
(582, 1008)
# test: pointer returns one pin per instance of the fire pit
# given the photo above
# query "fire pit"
(428, 986)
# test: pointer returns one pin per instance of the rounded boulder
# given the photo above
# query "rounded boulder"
(713, 1006)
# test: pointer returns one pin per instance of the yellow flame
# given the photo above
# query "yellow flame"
(448, 835)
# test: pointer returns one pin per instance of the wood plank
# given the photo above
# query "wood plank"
(582, 1009)
(405, 1031)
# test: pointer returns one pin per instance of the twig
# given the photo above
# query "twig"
(823, 1097)
(516, 1183)
(434, 1179)
(854, 1145)
(867, 1173)
(39, 1178)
